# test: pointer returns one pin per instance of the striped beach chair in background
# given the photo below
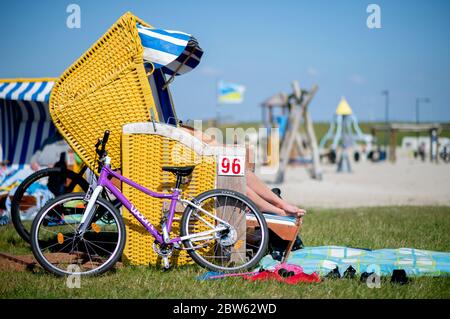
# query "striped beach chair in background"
(25, 124)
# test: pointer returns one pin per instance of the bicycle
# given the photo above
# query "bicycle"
(90, 246)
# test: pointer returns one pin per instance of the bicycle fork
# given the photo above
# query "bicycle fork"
(89, 211)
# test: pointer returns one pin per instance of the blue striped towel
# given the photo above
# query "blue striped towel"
(324, 259)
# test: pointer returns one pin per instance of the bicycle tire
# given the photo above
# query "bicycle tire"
(58, 200)
(21, 190)
(194, 253)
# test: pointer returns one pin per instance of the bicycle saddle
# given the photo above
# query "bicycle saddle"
(179, 170)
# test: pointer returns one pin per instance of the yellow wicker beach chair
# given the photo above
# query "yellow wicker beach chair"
(108, 88)
(104, 89)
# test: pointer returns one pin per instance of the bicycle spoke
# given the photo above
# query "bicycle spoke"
(50, 231)
(101, 241)
(71, 242)
(225, 207)
(62, 218)
(110, 252)
(47, 247)
(96, 254)
(87, 251)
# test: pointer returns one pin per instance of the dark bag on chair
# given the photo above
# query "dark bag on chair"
(278, 246)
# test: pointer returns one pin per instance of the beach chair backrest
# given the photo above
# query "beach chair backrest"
(106, 88)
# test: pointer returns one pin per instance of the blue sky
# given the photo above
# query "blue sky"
(263, 45)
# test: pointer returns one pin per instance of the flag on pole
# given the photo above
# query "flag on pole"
(230, 93)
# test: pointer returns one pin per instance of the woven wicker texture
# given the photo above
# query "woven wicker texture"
(106, 88)
(143, 157)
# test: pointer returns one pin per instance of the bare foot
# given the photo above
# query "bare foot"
(299, 213)
(292, 210)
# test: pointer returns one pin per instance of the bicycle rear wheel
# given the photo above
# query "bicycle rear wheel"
(237, 248)
(58, 247)
(25, 206)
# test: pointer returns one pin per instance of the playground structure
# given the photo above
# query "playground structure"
(433, 129)
(289, 113)
(344, 134)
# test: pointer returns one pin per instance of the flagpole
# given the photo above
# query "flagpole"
(217, 102)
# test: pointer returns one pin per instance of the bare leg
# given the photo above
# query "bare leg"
(262, 204)
(265, 193)
(262, 190)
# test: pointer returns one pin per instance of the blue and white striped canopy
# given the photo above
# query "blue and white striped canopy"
(172, 51)
(25, 121)
(38, 91)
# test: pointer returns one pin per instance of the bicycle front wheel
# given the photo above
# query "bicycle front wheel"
(242, 242)
(61, 250)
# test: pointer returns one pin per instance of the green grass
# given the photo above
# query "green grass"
(321, 128)
(386, 227)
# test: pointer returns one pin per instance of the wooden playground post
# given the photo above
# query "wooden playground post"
(288, 142)
(392, 145)
(299, 106)
(315, 171)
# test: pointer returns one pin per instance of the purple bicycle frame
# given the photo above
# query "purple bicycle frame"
(104, 181)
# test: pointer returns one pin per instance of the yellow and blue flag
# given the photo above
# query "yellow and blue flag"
(230, 93)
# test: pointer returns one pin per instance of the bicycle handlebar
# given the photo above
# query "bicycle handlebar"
(101, 144)
(105, 139)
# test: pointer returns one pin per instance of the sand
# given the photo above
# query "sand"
(407, 182)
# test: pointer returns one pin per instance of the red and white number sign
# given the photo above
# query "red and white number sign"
(231, 165)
